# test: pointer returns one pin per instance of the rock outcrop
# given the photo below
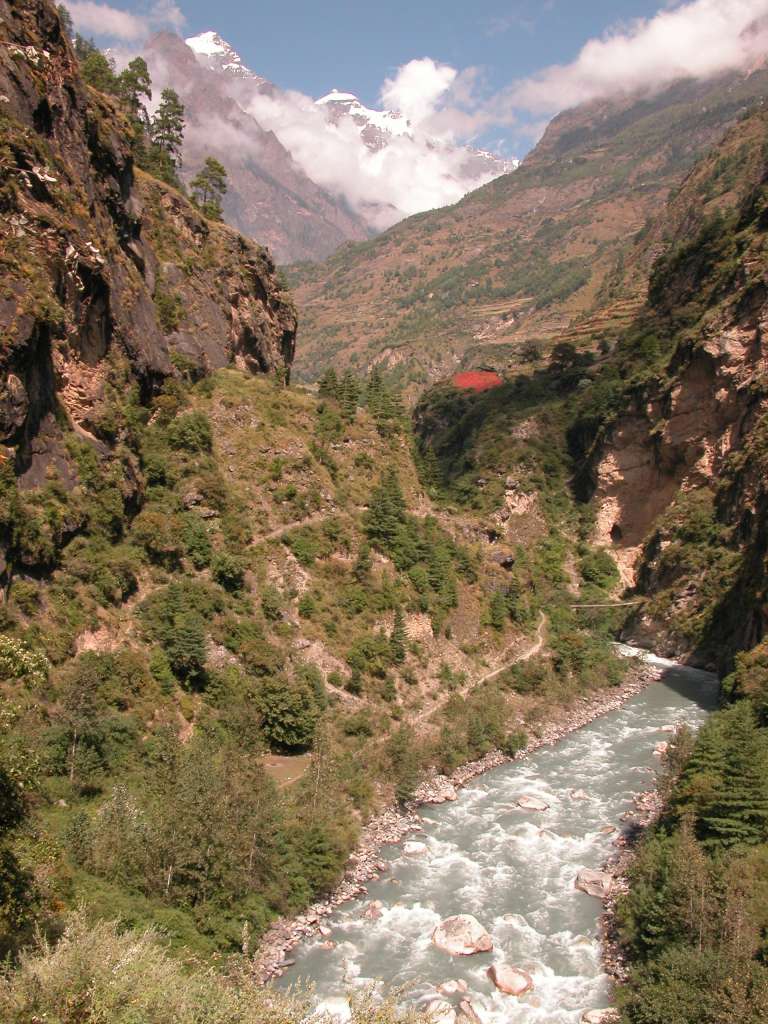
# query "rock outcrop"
(109, 277)
(676, 466)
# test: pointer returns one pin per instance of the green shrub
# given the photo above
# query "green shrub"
(191, 432)
(228, 571)
(289, 713)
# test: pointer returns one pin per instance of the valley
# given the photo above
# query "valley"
(287, 556)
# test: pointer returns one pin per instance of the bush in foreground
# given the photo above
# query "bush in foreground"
(96, 975)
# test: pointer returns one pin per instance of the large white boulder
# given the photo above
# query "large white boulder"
(600, 1017)
(532, 803)
(462, 935)
(594, 883)
(414, 849)
(512, 981)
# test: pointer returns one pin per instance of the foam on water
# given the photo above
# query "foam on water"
(513, 869)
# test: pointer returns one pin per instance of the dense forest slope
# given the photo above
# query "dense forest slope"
(539, 255)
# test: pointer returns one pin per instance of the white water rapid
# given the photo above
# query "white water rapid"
(514, 870)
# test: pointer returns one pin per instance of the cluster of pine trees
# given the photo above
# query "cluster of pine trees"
(695, 922)
(381, 400)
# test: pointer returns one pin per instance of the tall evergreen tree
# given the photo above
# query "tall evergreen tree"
(328, 385)
(167, 128)
(738, 812)
(135, 85)
(209, 187)
(387, 510)
(398, 637)
(348, 393)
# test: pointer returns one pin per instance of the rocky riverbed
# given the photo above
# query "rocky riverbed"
(394, 825)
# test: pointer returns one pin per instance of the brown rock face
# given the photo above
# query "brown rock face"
(106, 273)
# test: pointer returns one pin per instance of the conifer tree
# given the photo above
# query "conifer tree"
(134, 84)
(399, 637)
(348, 393)
(209, 187)
(738, 812)
(328, 385)
(374, 391)
(167, 128)
(362, 566)
(387, 511)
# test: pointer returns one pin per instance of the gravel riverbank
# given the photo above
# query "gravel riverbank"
(393, 825)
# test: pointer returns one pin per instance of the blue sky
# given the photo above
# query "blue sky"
(315, 46)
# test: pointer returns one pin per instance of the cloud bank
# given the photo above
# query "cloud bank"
(693, 40)
(91, 18)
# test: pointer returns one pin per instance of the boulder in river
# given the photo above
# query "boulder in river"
(452, 988)
(661, 748)
(414, 849)
(512, 981)
(462, 935)
(594, 883)
(532, 803)
(468, 1014)
(373, 911)
(579, 794)
(609, 1016)
(441, 1012)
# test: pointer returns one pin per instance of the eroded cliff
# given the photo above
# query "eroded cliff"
(109, 277)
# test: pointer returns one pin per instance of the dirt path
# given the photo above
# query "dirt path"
(530, 652)
(312, 520)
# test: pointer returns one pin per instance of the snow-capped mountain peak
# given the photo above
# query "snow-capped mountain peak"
(216, 53)
(376, 127)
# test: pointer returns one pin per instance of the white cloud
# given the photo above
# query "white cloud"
(100, 19)
(417, 88)
(412, 173)
(696, 40)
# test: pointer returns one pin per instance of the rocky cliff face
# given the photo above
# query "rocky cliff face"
(107, 276)
(678, 474)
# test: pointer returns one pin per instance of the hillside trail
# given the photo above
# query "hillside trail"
(530, 652)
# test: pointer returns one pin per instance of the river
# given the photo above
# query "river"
(514, 870)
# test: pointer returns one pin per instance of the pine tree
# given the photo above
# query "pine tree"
(133, 84)
(209, 187)
(362, 566)
(738, 813)
(398, 637)
(167, 129)
(497, 613)
(387, 511)
(65, 19)
(348, 392)
(328, 385)
(374, 391)
(404, 757)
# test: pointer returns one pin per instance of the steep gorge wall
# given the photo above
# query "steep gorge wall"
(105, 272)
(678, 474)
